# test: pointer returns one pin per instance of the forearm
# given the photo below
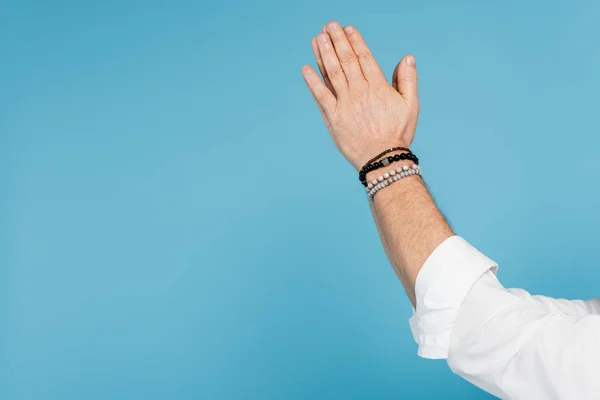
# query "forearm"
(366, 115)
(410, 227)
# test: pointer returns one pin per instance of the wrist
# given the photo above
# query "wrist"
(377, 148)
(394, 184)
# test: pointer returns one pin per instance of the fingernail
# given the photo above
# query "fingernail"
(332, 25)
(410, 60)
(348, 29)
(323, 37)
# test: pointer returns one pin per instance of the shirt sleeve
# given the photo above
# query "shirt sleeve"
(505, 341)
(441, 286)
(516, 348)
(574, 307)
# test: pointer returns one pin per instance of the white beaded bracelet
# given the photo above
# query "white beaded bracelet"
(390, 177)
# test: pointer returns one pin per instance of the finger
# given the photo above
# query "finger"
(406, 78)
(323, 96)
(369, 66)
(317, 53)
(332, 64)
(345, 54)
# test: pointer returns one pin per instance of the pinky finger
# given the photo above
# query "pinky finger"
(323, 96)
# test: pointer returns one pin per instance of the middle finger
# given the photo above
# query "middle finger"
(345, 54)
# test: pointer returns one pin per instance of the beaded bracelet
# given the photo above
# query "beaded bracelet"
(390, 177)
(362, 175)
(383, 153)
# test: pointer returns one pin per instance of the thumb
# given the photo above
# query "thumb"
(405, 78)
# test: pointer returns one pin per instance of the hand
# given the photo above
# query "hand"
(364, 114)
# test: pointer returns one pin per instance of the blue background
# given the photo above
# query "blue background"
(175, 222)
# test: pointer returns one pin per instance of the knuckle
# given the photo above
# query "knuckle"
(347, 58)
(323, 96)
(408, 78)
(363, 55)
(363, 89)
(380, 90)
(360, 93)
(335, 72)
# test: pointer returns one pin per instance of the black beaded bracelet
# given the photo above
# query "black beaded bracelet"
(383, 153)
(362, 175)
(363, 170)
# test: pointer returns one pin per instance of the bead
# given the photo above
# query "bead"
(385, 162)
(391, 180)
(386, 175)
(403, 174)
(370, 186)
(380, 178)
(374, 181)
(393, 172)
(405, 168)
(399, 169)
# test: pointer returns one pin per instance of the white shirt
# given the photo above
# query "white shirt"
(505, 341)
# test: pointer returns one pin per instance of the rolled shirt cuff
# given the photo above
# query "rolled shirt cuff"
(442, 284)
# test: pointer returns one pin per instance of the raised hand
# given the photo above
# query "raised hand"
(362, 111)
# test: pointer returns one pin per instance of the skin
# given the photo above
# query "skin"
(366, 115)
